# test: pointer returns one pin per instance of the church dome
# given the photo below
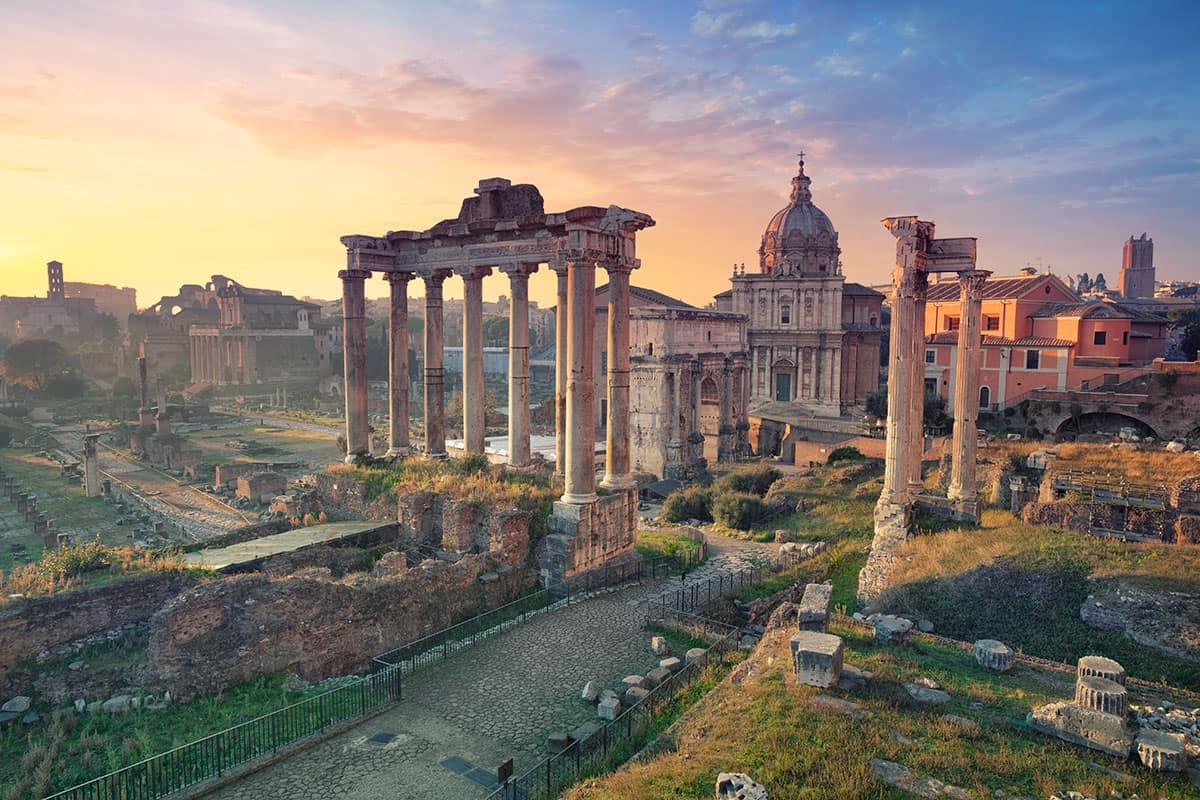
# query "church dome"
(800, 239)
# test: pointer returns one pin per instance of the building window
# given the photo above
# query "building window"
(1100, 337)
(709, 335)
(930, 386)
(930, 356)
(991, 322)
(650, 348)
(985, 397)
(785, 315)
(1124, 337)
(951, 323)
(1033, 359)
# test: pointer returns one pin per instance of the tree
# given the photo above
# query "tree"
(1186, 329)
(1099, 284)
(65, 386)
(495, 332)
(124, 387)
(1083, 283)
(104, 326)
(34, 362)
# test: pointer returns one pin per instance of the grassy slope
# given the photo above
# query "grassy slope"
(767, 728)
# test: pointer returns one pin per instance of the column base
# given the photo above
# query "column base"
(966, 509)
(618, 482)
(590, 545)
(353, 457)
(442, 456)
(397, 452)
(579, 499)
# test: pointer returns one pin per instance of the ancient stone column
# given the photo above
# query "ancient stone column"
(580, 470)
(727, 445)
(963, 491)
(917, 396)
(696, 438)
(518, 364)
(616, 472)
(251, 359)
(91, 466)
(472, 360)
(354, 350)
(896, 448)
(435, 397)
(561, 370)
(674, 425)
(398, 415)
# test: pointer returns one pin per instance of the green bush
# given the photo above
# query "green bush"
(753, 480)
(70, 560)
(845, 454)
(739, 510)
(691, 503)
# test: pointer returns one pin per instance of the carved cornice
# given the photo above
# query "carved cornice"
(354, 274)
(399, 277)
(436, 277)
(971, 283)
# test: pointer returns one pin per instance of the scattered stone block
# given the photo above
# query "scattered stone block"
(853, 678)
(31, 718)
(7, 718)
(114, 705)
(817, 658)
(1107, 733)
(590, 693)
(891, 630)
(634, 695)
(17, 705)
(587, 735)
(657, 677)
(925, 694)
(1161, 751)
(739, 786)
(901, 777)
(994, 655)
(659, 645)
(609, 707)
(965, 723)
(839, 706)
(558, 742)
(924, 626)
(813, 611)
(632, 682)
(695, 654)
(80, 705)
(671, 664)
(1101, 694)
(1100, 667)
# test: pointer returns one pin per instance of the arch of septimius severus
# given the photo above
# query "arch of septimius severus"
(505, 227)
(918, 255)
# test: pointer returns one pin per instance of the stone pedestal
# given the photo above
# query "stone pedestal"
(893, 526)
(817, 658)
(354, 333)
(398, 414)
(589, 537)
(994, 655)
(813, 611)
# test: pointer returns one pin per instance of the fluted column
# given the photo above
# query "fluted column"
(896, 470)
(963, 490)
(616, 472)
(581, 384)
(354, 339)
(398, 414)
(518, 364)
(561, 370)
(473, 415)
(916, 484)
(435, 397)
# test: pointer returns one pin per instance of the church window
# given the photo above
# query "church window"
(785, 314)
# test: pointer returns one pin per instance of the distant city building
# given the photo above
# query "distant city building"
(1136, 279)
(54, 314)
(120, 301)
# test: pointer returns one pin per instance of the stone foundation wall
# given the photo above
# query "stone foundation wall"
(584, 538)
(348, 497)
(29, 627)
(893, 527)
(239, 628)
(1084, 517)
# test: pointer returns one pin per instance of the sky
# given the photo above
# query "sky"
(156, 142)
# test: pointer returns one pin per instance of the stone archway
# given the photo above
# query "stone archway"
(1103, 422)
(710, 417)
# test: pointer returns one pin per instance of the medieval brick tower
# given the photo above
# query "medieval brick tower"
(1137, 268)
(54, 275)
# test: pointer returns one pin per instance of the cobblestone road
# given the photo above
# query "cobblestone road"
(498, 700)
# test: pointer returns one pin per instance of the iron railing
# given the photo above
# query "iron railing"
(216, 754)
(702, 593)
(616, 741)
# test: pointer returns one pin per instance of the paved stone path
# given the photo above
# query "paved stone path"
(498, 700)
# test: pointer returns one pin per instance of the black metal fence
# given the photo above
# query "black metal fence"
(701, 593)
(619, 739)
(214, 755)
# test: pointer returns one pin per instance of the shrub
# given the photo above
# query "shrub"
(65, 387)
(754, 480)
(845, 454)
(739, 510)
(70, 560)
(691, 503)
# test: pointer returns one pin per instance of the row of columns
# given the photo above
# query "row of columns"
(222, 359)
(575, 384)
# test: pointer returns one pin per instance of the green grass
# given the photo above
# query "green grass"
(766, 726)
(69, 749)
(660, 544)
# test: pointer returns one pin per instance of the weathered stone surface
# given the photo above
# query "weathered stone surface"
(113, 705)
(1107, 733)
(609, 707)
(839, 706)
(813, 611)
(1161, 751)
(659, 645)
(587, 735)
(901, 777)
(853, 678)
(557, 742)
(965, 723)
(632, 682)
(1101, 694)
(924, 626)
(590, 693)
(695, 654)
(739, 786)
(1100, 667)
(17, 705)
(993, 654)
(925, 694)
(817, 658)
(891, 630)
(671, 664)
(634, 695)
(657, 677)
(893, 526)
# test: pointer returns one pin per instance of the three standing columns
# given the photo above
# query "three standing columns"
(354, 334)
(616, 472)
(518, 364)
(398, 414)
(473, 413)
(435, 398)
(561, 367)
(580, 469)
(963, 491)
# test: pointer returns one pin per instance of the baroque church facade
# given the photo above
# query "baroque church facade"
(814, 340)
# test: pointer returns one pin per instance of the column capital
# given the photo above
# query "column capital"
(972, 280)
(470, 272)
(619, 266)
(354, 274)
(399, 277)
(436, 277)
(520, 270)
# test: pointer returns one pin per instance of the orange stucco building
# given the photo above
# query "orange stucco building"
(1039, 334)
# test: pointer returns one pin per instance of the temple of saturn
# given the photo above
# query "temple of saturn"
(918, 255)
(504, 227)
